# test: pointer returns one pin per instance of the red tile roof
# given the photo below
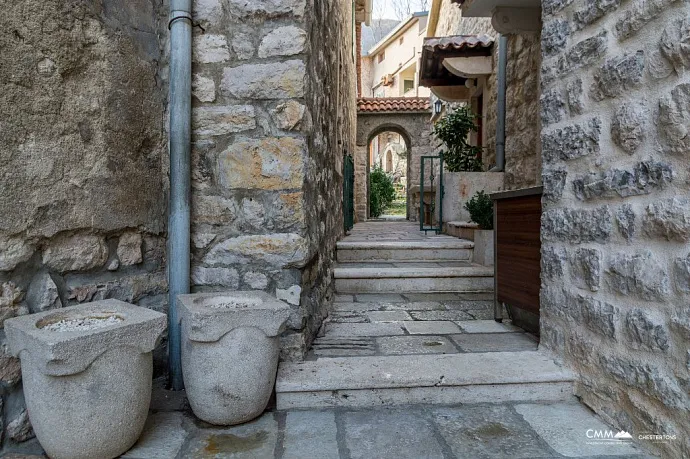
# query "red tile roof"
(393, 104)
(458, 42)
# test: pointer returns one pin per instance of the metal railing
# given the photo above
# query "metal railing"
(427, 211)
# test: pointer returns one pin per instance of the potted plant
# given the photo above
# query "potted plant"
(463, 164)
(87, 374)
(481, 210)
(230, 350)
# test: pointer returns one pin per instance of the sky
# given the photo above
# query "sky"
(384, 8)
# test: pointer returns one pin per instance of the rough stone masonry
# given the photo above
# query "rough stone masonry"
(616, 222)
(273, 117)
(84, 161)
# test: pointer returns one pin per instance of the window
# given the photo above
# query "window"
(402, 40)
(381, 56)
(408, 85)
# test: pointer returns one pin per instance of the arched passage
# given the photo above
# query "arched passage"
(411, 121)
(389, 147)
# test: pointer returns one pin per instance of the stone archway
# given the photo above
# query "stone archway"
(408, 117)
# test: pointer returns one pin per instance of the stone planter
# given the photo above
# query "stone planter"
(87, 374)
(483, 247)
(230, 351)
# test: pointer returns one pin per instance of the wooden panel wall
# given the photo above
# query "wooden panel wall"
(518, 246)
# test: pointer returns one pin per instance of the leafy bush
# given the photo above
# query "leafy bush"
(452, 130)
(381, 191)
(481, 209)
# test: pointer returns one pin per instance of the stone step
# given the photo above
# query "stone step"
(492, 377)
(414, 279)
(435, 249)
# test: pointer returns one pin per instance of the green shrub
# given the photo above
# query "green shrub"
(381, 191)
(452, 130)
(481, 209)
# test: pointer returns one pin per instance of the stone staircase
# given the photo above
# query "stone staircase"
(413, 324)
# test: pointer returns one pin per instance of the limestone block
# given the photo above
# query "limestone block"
(593, 10)
(288, 115)
(42, 294)
(268, 8)
(618, 75)
(20, 429)
(649, 379)
(551, 7)
(638, 15)
(645, 332)
(230, 350)
(267, 164)
(243, 45)
(681, 271)
(11, 302)
(274, 249)
(668, 219)
(76, 253)
(629, 126)
(587, 52)
(674, 43)
(292, 295)
(674, 120)
(209, 48)
(91, 361)
(10, 370)
(222, 120)
(257, 281)
(552, 107)
(572, 141)
(208, 12)
(13, 250)
(554, 36)
(575, 95)
(553, 181)
(129, 249)
(223, 277)
(645, 177)
(203, 88)
(280, 80)
(283, 41)
(577, 225)
(639, 274)
(625, 220)
(585, 268)
(552, 262)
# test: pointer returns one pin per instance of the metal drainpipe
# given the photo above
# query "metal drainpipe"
(180, 26)
(501, 105)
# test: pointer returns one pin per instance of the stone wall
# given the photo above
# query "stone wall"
(272, 119)
(83, 156)
(415, 127)
(522, 149)
(616, 221)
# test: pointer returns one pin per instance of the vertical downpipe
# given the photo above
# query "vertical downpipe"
(501, 105)
(180, 175)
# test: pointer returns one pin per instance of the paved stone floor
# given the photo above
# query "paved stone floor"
(416, 323)
(473, 432)
(391, 231)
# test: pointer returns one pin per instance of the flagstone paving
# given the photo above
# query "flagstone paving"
(491, 431)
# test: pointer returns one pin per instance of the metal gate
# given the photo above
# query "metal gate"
(348, 193)
(431, 194)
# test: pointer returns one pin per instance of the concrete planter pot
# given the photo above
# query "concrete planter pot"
(87, 374)
(230, 351)
(484, 247)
